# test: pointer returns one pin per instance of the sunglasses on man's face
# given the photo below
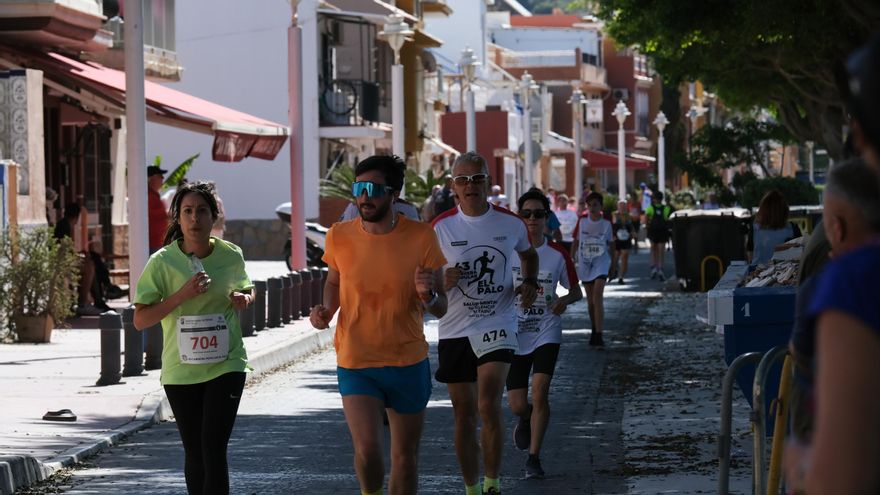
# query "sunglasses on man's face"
(462, 180)
(533, 213)
(372, 189)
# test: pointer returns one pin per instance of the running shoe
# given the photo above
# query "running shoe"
(596, 340)
(620, 281)
(653, 272)
(522, 433)
(660, 276)
(534, 469)
(492, 491)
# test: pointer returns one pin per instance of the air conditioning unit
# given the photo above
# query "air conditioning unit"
(620, 94)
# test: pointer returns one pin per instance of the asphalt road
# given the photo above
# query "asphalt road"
(291, 437)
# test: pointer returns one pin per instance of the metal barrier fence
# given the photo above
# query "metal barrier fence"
(277, 301)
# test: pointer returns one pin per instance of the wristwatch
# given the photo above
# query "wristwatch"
(434, 296)
(533, 281)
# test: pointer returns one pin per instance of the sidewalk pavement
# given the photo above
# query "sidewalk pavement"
(61, 375)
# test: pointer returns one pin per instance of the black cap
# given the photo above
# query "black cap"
(154, 170)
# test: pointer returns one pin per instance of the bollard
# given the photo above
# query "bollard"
(110, 323)
(246, 319)
(134, 345)
(305, 301)
(273, 303)
(295, 294)
(155, 341)
(317, 285)
(285, 299)
(260, 305)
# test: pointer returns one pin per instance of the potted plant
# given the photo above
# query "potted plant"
(38, 275)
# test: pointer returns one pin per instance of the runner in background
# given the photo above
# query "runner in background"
(478, 332)
(539, 333)
(591, 252)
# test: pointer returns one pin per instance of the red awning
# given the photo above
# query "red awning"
(236, 134)
(602, 160)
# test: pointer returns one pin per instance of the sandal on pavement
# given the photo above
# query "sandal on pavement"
(60, 415)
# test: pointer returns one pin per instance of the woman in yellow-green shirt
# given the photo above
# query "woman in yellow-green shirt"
(194, 285)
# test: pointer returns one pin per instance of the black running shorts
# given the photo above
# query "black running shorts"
(458, 363)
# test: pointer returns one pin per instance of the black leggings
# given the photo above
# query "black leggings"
(205, 414)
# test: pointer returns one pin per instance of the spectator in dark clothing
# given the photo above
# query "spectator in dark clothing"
(64, 228)
(158, 214)
(444, 199)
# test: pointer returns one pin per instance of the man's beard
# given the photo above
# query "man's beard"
(380, 211)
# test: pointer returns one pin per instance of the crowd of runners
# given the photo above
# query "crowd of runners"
(490, 272)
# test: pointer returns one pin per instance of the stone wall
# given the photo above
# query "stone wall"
(259, 239)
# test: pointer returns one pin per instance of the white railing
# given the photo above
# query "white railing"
(546, 58)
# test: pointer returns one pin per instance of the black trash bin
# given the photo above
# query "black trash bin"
(705, 242)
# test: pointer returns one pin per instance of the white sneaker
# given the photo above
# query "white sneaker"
(88, 310)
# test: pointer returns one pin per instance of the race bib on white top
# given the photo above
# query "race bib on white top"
(592, 247)
(493, 340)
(202, 339)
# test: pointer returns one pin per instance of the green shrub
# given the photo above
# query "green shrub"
(796, 192)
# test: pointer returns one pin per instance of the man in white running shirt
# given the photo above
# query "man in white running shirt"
(478, 332)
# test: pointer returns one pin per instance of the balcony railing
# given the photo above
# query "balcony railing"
(352, 102)
(546, 58)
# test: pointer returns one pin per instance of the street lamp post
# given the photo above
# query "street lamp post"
(528, 85)
(621, 112)
(396, 31)
(692, 114)
(469, 65)
(660, 121)
(577, 108)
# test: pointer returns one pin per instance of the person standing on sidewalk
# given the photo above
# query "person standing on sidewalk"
(478, 333)
(657, 225)
(593, 242)
(158, 214)
(385, 272)
(194, 285)
(539, 333)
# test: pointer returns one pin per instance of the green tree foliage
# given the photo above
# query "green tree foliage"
(780, 54)
(339, 183)
(796, 192)
(740, 142)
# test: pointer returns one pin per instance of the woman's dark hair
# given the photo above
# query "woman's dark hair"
(206, 190)
(535, 194)
(772, 211)
(592, 196)
(391, 166)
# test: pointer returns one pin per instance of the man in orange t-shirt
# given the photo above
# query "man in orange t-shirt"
(385, 271)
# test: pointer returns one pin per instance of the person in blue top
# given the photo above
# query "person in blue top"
(194, 285)
(843, 315)
(771, 228)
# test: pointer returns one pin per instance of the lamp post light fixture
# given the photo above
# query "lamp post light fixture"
(577, 115)
(396, 32)
(660, 121)
(621, 112)
(692, 114)
(528, 86)
(469, 65)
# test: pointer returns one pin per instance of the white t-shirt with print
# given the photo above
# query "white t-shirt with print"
(538, 325)
(592, 237)
(567, 222)
(484, 248)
